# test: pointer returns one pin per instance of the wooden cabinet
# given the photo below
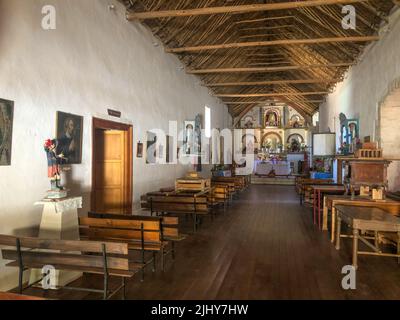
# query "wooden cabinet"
(360, 172)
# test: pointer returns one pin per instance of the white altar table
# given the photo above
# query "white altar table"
(282, 168)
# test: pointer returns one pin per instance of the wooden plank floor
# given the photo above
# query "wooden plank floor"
(264, 247)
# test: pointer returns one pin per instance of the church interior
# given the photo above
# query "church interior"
(199, 150)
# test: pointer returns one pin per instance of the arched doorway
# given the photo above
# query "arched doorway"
(389, 133)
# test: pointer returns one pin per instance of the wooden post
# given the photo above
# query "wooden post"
(355, 247)
(338, 227)
(325, 216)
(333, 214)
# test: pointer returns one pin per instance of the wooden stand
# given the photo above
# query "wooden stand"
(59, 221)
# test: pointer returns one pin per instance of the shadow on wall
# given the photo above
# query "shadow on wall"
(76, 190)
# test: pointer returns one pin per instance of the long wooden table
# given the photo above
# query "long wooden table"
(361, 219)
(303, 186)
(319, 191)
(330, 202)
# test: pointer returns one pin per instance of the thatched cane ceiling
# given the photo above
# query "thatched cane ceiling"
(247, 55)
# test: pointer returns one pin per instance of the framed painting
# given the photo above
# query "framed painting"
(139, 150)
(6, 126)
(69, 136)
(170, 149)
(151, 152)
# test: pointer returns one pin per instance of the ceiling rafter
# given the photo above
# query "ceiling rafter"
(238, 9)
(275, 66)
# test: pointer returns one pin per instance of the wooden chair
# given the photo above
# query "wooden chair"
(169, 233)
(95, 257)
(140, 235)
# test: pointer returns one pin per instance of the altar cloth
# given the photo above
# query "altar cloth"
(281, 168)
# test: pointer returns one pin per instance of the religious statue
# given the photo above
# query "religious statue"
(271, 119)
(54, 161)
(295, 145)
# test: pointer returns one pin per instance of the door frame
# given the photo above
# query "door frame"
(111, 125)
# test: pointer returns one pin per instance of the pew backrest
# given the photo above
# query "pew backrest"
(64, 254)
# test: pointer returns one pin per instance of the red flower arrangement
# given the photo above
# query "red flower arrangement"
(49, 144)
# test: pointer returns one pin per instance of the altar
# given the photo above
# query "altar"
(266, 167)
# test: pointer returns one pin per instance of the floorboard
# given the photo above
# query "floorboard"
(264, 246)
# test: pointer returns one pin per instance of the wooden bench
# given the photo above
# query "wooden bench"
(170, 227)
(178, 203)
(230, 186)
(140, 235)
(239, 181)
(219, 195)
(95, 257)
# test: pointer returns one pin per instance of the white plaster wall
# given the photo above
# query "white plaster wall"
(94, 60)
(365, 87)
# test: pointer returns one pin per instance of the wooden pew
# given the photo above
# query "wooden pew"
(140, 235)
(96, 257)
(229, 186)
(219, 195)
(240, 181)
(170, 227)
(195, 204)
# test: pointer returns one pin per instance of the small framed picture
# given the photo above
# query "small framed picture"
(139, 150)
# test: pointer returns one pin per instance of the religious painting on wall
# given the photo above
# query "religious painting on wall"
(295, 142)
(249, 142)
(197, 142)
(170, 149)
(69, 136)
(272, 142)
(296, 121)
(249, 122)
(6, 125)
(271, 118)
(353, 129)
(151, 151)
(139, 150)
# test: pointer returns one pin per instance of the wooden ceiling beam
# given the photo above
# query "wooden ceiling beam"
(272, 94)
(266, 102)
(284, 42)
(268, 69)
(268, 28)
(238, 9)
(280, 18)
(272, 82)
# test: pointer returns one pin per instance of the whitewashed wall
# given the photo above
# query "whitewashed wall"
(365, 88)
(94, 60)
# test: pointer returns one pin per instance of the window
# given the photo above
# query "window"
(315, 119)
(208, 122)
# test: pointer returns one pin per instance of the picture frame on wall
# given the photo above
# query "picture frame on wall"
(151, 152)
(69, 134)
(6, 129)
(139, 150)
(169, 148)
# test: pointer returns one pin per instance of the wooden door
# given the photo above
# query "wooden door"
(110, 171)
